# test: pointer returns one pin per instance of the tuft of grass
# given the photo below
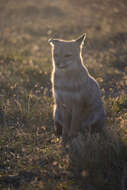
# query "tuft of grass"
(99, 158)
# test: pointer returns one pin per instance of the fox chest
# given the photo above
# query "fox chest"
(67, 96)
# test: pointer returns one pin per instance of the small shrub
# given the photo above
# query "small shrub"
(99, 154)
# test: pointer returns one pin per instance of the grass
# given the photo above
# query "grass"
(31, 157)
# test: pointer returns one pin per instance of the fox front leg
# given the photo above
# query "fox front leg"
(66, 127)
(75, 123)
(58, 122)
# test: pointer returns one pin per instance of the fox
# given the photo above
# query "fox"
(77, 96)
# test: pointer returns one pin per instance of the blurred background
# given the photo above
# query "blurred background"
(26, 26)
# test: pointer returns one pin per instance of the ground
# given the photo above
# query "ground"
(31, 157)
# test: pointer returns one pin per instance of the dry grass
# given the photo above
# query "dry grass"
(31, 157)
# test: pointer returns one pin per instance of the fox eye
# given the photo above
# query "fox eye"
(68, 55)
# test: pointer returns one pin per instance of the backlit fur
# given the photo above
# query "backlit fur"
(76, 93)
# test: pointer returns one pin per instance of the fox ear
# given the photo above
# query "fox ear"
(81, 39)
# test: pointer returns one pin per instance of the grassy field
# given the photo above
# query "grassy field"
(31, 157)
